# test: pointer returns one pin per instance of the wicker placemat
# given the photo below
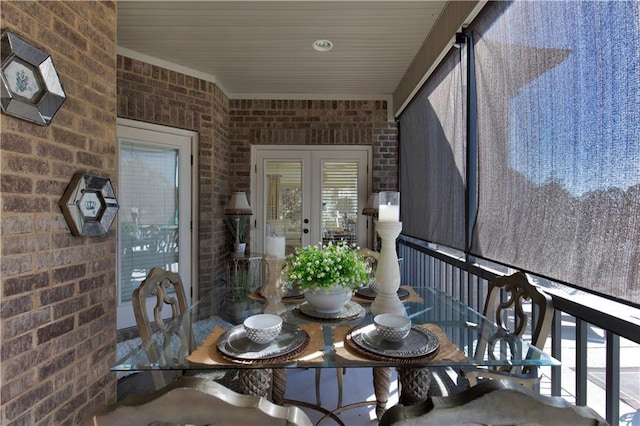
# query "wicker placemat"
(369, 294)
(272, 360)
(296, 298)
(353, 310)
(447, 351)
(412, 297)
(353, 346)
(310, 351)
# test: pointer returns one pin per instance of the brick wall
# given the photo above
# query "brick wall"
(58, 291)
(299, 122)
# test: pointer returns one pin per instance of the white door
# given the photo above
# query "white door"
(310, 194)
(155, 215)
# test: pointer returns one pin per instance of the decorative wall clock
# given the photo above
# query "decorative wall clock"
(89, 205)
(30, 87)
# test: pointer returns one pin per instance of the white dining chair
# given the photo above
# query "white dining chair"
(496, 402)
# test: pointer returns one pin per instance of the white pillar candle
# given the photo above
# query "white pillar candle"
(388, 213)
(389, 207)
(274, 246)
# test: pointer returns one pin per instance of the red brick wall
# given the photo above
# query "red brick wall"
(58, 291)
(299, 122)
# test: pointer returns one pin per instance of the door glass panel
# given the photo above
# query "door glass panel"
(340, 201)
(283, 199)
(148, 216)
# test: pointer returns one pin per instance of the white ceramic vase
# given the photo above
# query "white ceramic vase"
(328, 300)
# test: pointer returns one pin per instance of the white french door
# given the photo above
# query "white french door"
(155, 215)
(310, 194)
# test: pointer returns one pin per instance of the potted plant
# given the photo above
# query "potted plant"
(327, 274)
(238, 226)
(241, 283)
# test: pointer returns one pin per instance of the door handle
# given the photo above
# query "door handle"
(305, 230)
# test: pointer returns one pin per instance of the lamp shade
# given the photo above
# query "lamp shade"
(238, 205)
(371, 208)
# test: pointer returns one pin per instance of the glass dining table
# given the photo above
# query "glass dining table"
(445, 333)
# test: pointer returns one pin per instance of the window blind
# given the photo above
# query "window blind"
(148, 216)
(340, 199)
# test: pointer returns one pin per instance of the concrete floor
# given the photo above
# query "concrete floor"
(358, 386)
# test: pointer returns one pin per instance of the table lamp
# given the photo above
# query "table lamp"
(238, 206)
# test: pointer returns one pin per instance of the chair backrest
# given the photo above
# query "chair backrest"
(196, 401)
(158, 282)
(372, 258)
(493, 402)
(506, 299)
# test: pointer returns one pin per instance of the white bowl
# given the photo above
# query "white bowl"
(392, 327)
(262, 328)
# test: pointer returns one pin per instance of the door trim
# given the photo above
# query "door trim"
(255, 149)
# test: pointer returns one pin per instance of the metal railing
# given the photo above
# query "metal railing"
(465, 279)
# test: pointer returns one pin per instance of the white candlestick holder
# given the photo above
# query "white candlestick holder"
(275, 287)
(388, 271)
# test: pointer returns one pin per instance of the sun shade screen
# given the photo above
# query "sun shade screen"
(559, 141)
(432, 158)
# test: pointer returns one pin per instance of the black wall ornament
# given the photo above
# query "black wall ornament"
(89, 205)
(30, 88)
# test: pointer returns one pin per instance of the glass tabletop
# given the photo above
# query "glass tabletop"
(460, 329)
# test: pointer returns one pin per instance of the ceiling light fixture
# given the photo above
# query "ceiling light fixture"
(323, 45)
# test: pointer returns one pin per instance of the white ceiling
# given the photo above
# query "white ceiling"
(263, 49)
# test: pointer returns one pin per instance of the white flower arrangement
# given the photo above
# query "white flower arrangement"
(325, 266)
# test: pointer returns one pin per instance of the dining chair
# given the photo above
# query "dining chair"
(507, 306)
(195, 401)
(493, 402)
(518, 307)
(168, 290)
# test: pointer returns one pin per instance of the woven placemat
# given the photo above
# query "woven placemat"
(368, 294)
(355, 311)
(351, 345)
(447, 351)
(297, 298)
(311, 351)
(273, 360)
(412, 297)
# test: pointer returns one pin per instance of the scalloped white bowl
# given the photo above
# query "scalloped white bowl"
(392, 327)
(263, 328)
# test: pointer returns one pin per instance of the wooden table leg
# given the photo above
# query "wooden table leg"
(414, 384)
(381, 384)
(278, 386)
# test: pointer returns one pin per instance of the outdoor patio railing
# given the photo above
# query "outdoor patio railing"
(577, 326)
